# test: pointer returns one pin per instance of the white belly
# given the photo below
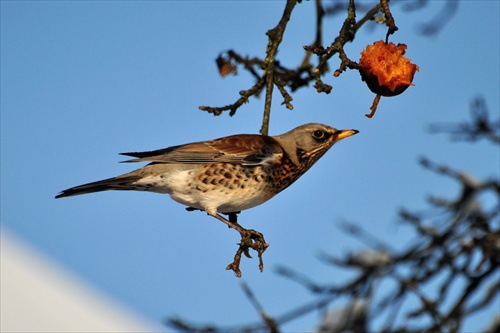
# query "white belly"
(213, 193)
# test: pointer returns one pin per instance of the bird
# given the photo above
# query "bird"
(225, 175)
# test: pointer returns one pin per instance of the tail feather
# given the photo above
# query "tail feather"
(116, 183)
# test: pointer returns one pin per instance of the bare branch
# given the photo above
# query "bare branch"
(275, 37)
(479, 127)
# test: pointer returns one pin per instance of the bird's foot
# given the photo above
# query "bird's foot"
(250, 239)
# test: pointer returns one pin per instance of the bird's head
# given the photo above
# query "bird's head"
(307, 143)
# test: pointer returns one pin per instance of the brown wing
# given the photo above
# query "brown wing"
(247, 149)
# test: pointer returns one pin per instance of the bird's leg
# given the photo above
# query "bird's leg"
(233, 217)
(250, 239)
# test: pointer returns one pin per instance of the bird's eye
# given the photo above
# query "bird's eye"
(318, 134)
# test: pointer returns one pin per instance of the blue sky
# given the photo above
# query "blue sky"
(84, 81)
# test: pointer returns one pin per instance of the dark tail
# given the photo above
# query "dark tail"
(116, 183)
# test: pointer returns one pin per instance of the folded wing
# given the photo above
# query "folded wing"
(245, 149)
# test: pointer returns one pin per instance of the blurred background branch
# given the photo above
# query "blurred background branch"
(479, 127)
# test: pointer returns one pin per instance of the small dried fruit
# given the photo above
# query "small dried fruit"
(225, 66)
(385, 69)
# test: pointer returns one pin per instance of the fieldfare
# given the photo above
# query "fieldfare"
(226, 175)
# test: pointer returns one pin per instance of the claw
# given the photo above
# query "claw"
(247, 253)
(234, 267)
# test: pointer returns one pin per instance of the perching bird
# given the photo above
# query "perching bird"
(225, 175)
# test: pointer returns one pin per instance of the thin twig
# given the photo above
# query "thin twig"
(275, 37)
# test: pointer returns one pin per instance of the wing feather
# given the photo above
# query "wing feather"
(246, 149)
